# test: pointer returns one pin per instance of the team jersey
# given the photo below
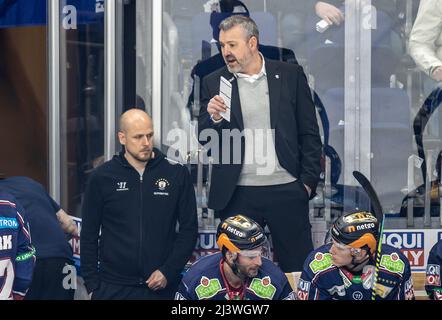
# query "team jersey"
(432, 281)
(17, 256)
(322, 280)
(205, 281)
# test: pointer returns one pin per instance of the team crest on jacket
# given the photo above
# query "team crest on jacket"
(162, 184)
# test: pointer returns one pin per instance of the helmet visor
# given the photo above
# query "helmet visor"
(261, 251)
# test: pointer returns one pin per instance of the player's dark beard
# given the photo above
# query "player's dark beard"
(237, 271)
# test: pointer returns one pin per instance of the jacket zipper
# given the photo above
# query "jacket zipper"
(140, 253)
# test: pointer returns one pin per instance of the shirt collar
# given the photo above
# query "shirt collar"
(252, 78)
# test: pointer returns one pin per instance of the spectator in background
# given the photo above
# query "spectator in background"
(384, 33)
(51, 228)
(16, 252)
(136, 200)
(332, 10)
(425, 44)
(292, 17)
(433, 284)
(425, 47)
(326, 42)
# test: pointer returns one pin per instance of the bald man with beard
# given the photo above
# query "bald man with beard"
(136, 200)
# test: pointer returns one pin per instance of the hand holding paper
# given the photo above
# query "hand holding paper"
(225, 92)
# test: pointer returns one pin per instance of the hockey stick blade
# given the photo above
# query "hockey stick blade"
(375, 203)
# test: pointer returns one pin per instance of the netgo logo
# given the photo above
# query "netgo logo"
(411, 245)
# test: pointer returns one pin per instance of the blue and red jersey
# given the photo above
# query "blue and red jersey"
(17, 255)
(205, 281)
(432, 282)
(322, 280)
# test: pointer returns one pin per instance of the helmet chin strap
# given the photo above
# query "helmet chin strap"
(357, 266)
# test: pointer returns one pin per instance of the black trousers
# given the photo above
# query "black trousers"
(284, 209)
(111, 291)
(48, 280)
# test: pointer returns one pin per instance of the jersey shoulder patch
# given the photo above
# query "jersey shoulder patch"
(321, 262)
(263, 288)
(208, 288)
(393, 263)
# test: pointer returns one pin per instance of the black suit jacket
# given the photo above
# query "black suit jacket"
(206, 67)
(292, 114)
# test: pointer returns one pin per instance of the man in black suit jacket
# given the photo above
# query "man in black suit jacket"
(269, 99)
(213, 63)
(206, 67)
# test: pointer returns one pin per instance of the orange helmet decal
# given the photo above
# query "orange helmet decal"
(366, 239)
(224, 241)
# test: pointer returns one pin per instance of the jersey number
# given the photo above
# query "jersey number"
(7, 273)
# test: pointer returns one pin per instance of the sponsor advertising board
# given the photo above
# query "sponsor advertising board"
(414, 244)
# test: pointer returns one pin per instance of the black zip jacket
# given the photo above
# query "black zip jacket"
(138, 218)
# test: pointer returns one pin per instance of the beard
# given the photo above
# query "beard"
(248, 272)
(142, 156)
(233, 69)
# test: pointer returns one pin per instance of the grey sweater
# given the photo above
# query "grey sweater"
(261, 166)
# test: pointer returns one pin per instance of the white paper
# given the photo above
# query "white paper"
(225, 92)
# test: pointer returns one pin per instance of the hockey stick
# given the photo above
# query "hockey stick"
(377, 208)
